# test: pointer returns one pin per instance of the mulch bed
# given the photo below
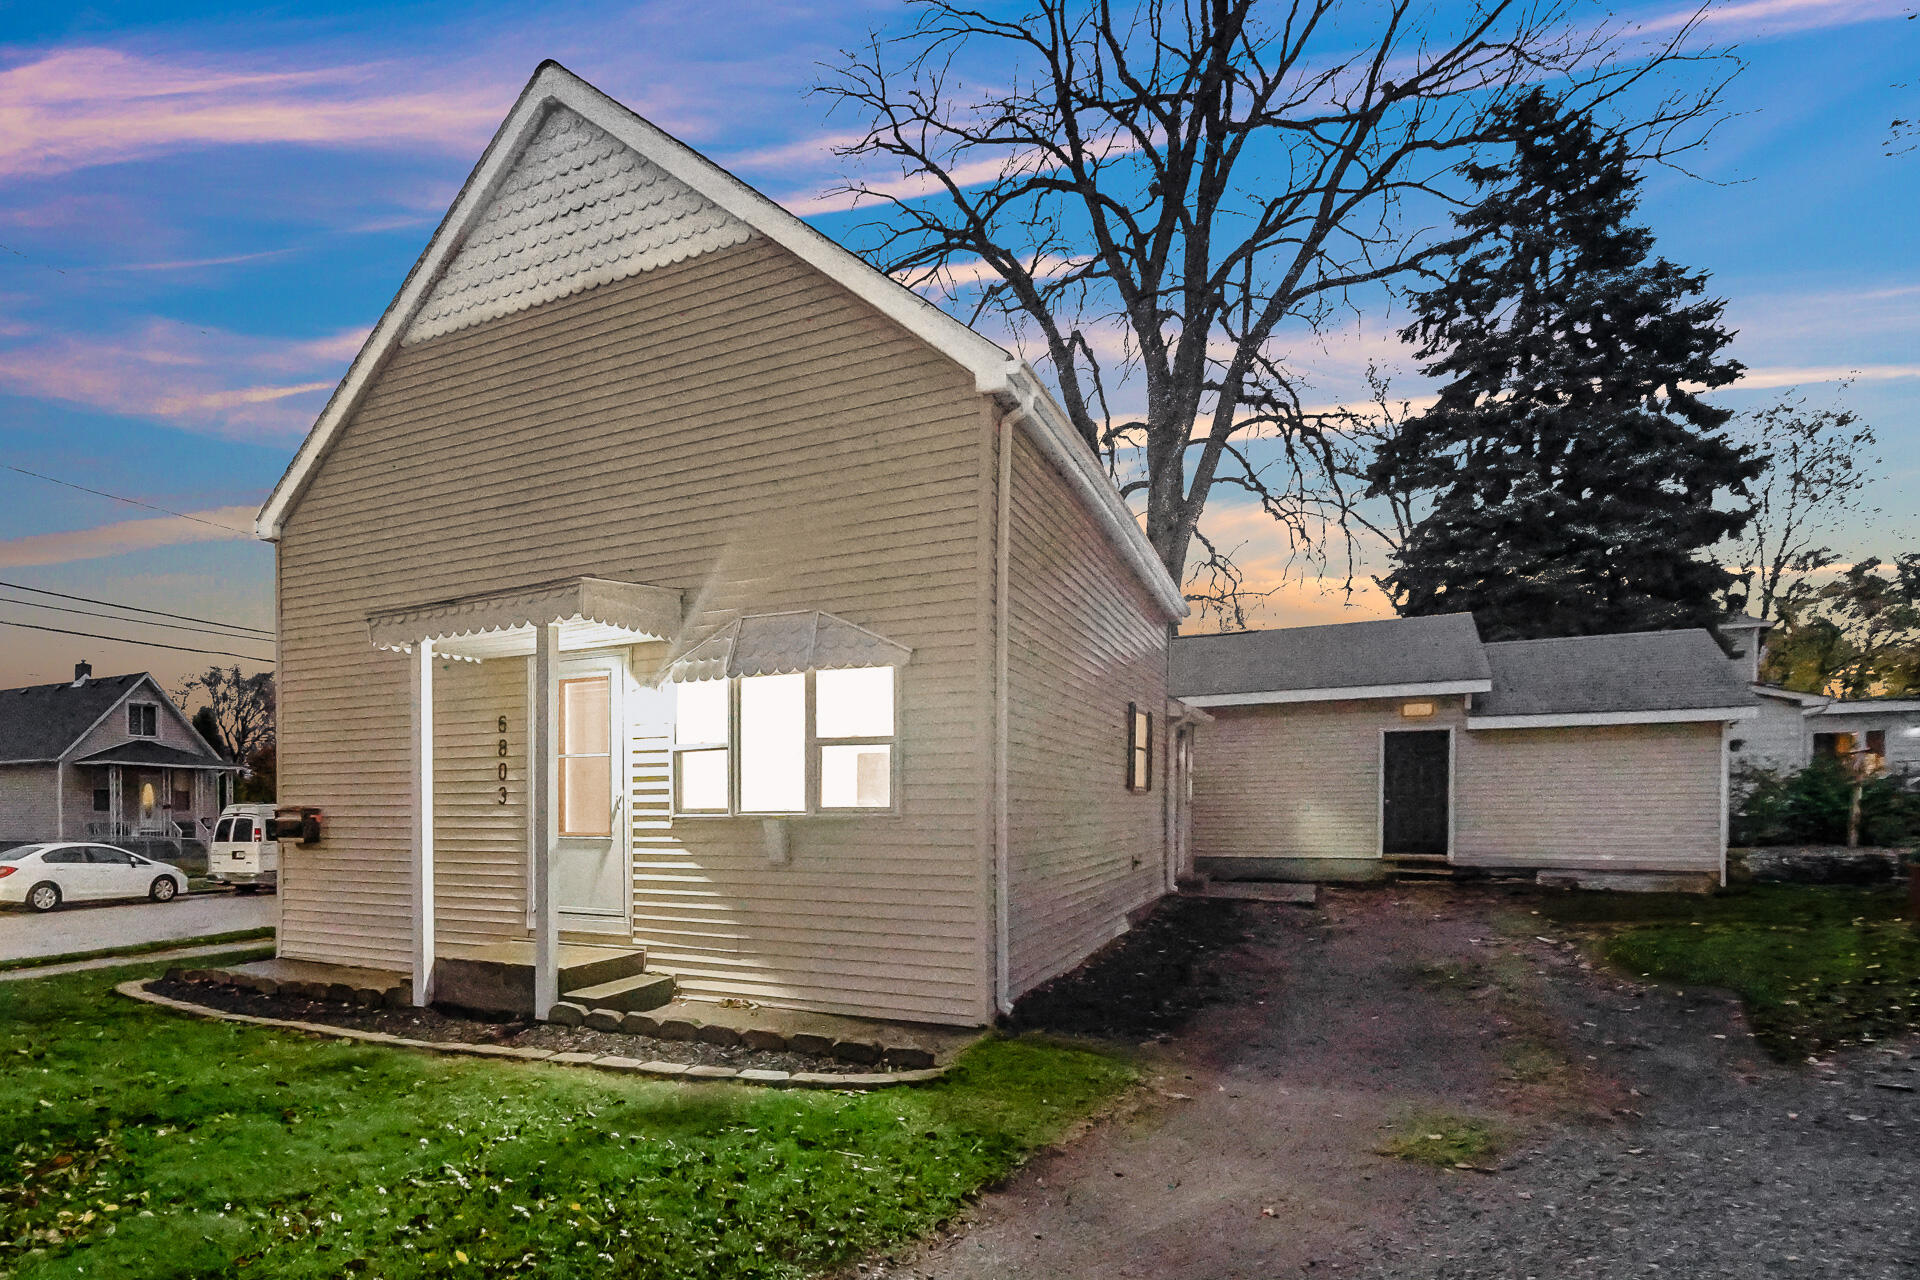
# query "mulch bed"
(432, 1024)
(1146, 984)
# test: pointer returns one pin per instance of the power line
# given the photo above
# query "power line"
(132, 502)
(150, 644)
(134, 608)
(114, 617)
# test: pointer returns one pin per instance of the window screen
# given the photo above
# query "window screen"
(1139, 748)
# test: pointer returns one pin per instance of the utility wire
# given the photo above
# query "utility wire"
(132, 502)
(134, 608)
(150, 644)
(114, 617)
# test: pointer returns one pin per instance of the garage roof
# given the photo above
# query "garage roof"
(1392, 657)
(1641, 673)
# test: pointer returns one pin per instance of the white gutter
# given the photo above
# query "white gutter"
(1693, 715)
(1350, 693)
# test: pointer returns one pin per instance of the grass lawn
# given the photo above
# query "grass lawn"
(134, 949)
(1816, 967)
(139, 1143)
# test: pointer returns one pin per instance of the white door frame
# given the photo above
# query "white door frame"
(1380, 783)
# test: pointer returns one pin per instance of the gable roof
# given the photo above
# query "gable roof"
(1391, 657)
(427, 298)
(1653, 676)
(40, 723)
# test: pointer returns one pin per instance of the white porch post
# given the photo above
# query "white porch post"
(543, 785)
(421, 708)
(114, 789)
(59, 799)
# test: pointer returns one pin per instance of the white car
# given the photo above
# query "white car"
(45, 875)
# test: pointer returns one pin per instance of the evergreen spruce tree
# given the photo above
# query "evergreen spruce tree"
(1569, 470)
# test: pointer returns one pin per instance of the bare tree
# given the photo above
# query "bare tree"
(1820, 463)
(240, 707)
(1168, 196)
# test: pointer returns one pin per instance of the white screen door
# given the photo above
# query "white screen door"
(593, 885)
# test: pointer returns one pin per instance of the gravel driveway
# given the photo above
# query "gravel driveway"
(89, 926)
(1652, 1137)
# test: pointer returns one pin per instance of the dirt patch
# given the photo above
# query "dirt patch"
(1146, 984)
(444, 1028)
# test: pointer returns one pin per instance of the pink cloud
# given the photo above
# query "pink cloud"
(78, 107)
(123, 536)
(228, 384)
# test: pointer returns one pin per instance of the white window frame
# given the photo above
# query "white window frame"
(150, 709)
(813, 741)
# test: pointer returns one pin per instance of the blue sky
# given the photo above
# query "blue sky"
(202, 213)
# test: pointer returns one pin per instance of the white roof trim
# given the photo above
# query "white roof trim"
(1592, 719)
(996, 373)
(1869, 707)
(1350, 693)
(1811, 702)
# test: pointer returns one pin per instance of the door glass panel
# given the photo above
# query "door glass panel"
(586, 762)
(773, 743)
(856, 777)
(242, 829)
(223, 832)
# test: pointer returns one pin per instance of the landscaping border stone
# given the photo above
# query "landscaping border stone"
(137, 990)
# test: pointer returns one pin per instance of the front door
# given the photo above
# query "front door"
(593, 886)
(1413, 792)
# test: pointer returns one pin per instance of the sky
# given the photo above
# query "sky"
(204, 207)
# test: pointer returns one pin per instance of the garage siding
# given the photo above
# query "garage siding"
(1622, 797)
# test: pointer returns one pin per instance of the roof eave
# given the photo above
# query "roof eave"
(1600, 719)
(1341, 693)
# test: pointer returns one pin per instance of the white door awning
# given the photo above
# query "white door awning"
(767, 644)
(592, 613)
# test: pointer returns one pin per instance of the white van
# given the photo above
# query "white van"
(245, 851)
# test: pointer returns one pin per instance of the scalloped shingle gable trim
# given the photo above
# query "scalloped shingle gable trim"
(577, 209)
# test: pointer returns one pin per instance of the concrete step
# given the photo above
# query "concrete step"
(634, 993)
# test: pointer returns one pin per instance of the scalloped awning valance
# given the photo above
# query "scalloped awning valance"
(592, 613)
(767, 644)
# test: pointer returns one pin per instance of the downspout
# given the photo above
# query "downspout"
(1002, 837)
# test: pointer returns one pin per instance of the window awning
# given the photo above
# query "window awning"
(766, 644)
(592, 613)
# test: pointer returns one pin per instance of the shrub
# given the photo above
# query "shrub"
(1810, 807)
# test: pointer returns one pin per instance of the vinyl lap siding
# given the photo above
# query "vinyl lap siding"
(735, 427)
(1628, 797)
(1297, 780)
(27, 805)
(479, 844)
(1083, 642)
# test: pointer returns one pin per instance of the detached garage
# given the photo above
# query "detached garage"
(1409, 745)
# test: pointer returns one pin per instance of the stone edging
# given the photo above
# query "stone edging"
(137, 990)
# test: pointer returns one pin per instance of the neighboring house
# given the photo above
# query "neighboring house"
(663, 576)
(1343, 751)
(1793, 727)
(103, 758)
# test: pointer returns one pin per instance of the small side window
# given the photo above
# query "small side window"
(143, 719)
(1139, 748)
(102, 800)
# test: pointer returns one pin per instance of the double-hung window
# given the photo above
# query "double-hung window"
(793, 743)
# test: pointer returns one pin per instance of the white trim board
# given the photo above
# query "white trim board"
(1010, 382)
(1350, 693)
(1692, 715)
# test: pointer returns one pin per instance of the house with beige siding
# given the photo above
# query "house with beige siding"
(1405, 746)
(665, 591)
(104, 758)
